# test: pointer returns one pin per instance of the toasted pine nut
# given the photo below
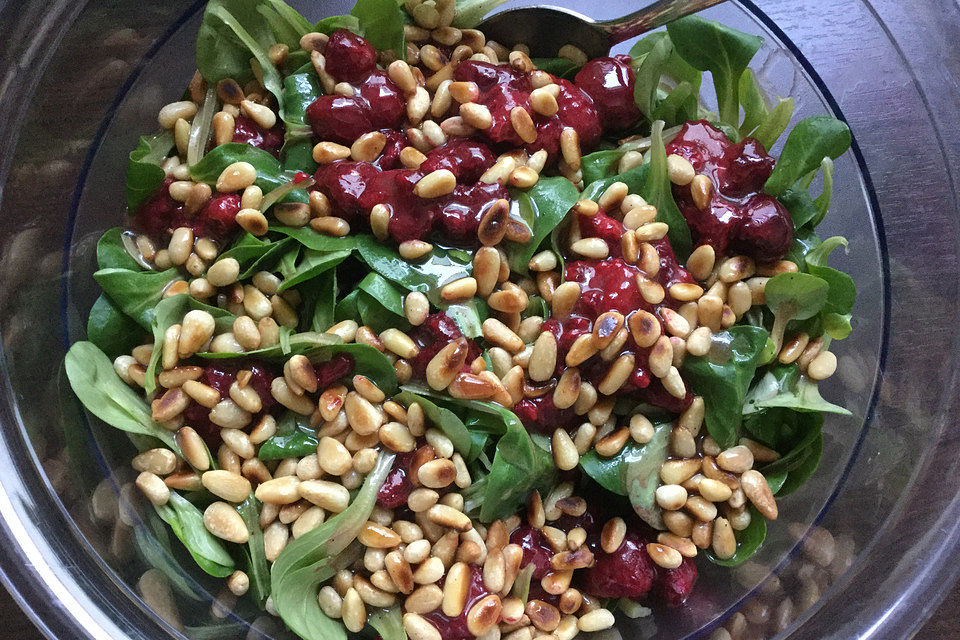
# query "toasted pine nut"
(236, 177)
(523, 124)
(701, 188)
(223, 521)
(822, 366)
(679, 170)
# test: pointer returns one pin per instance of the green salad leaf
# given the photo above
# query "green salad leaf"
(299, 91)
(270, 174)
(794, 296)
(804, 468)
(775, 123)
(724, 52)
(443, 418)
(112, 254)
(635, 179)
(759, 120)
(380, 304)
(658, 66)
(309, 265)
(287, 24)
(254, 254)
(804, 295)
(153, 546)
(114, 332)
(542, 206)
(722, 378)
(634, 472)
(144, 174)
(295, 438)
(599, 165)
(135, 293)
(388, 623)
(229, 37)
(106, 396)
(427, 275)
(560, 67)
(812, 140)
(651, 66)
(658, 191)
(186, 522)
(319, 301)
(519, 467)
(784, 386)
(331, 23)
(311, 559)
(258, 569)
(381, 23)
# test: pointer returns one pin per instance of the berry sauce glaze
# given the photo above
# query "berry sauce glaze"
(378, 104)
(607, 285)
(739, 218)
(160, 214)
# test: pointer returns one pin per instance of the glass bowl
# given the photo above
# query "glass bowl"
(861, 551)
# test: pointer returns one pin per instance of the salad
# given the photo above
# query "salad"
(415, 332)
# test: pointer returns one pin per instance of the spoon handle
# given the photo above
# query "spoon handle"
(652, 16)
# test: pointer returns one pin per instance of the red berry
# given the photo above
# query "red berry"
(387, 105)
(349, 57)
(337, 367)
(675, 585)
(457, 216)
(739, 217)
(467, 159)
(396, 489)
(744, 169)
(578, 111)
(487, 76)
(628, 572)
(247, 131)
(536, 550)
(765, 232)
(344, 183)
(218, 217)
(610, 81)
(339, 118)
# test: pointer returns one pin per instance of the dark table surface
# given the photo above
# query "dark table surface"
(943, 626)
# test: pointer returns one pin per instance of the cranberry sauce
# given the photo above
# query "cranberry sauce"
(161, 214)
(456, 628)
(598, 98)
(355, 188)
(610, 81)
(739, 219)
(503, 88)
(628, 572)
(437, 331)
(247, 131)
(220, 376)
(398, 486)
(607, 285)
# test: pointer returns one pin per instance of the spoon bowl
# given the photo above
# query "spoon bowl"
(545, 29)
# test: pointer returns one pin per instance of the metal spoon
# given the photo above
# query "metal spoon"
(546, 29)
